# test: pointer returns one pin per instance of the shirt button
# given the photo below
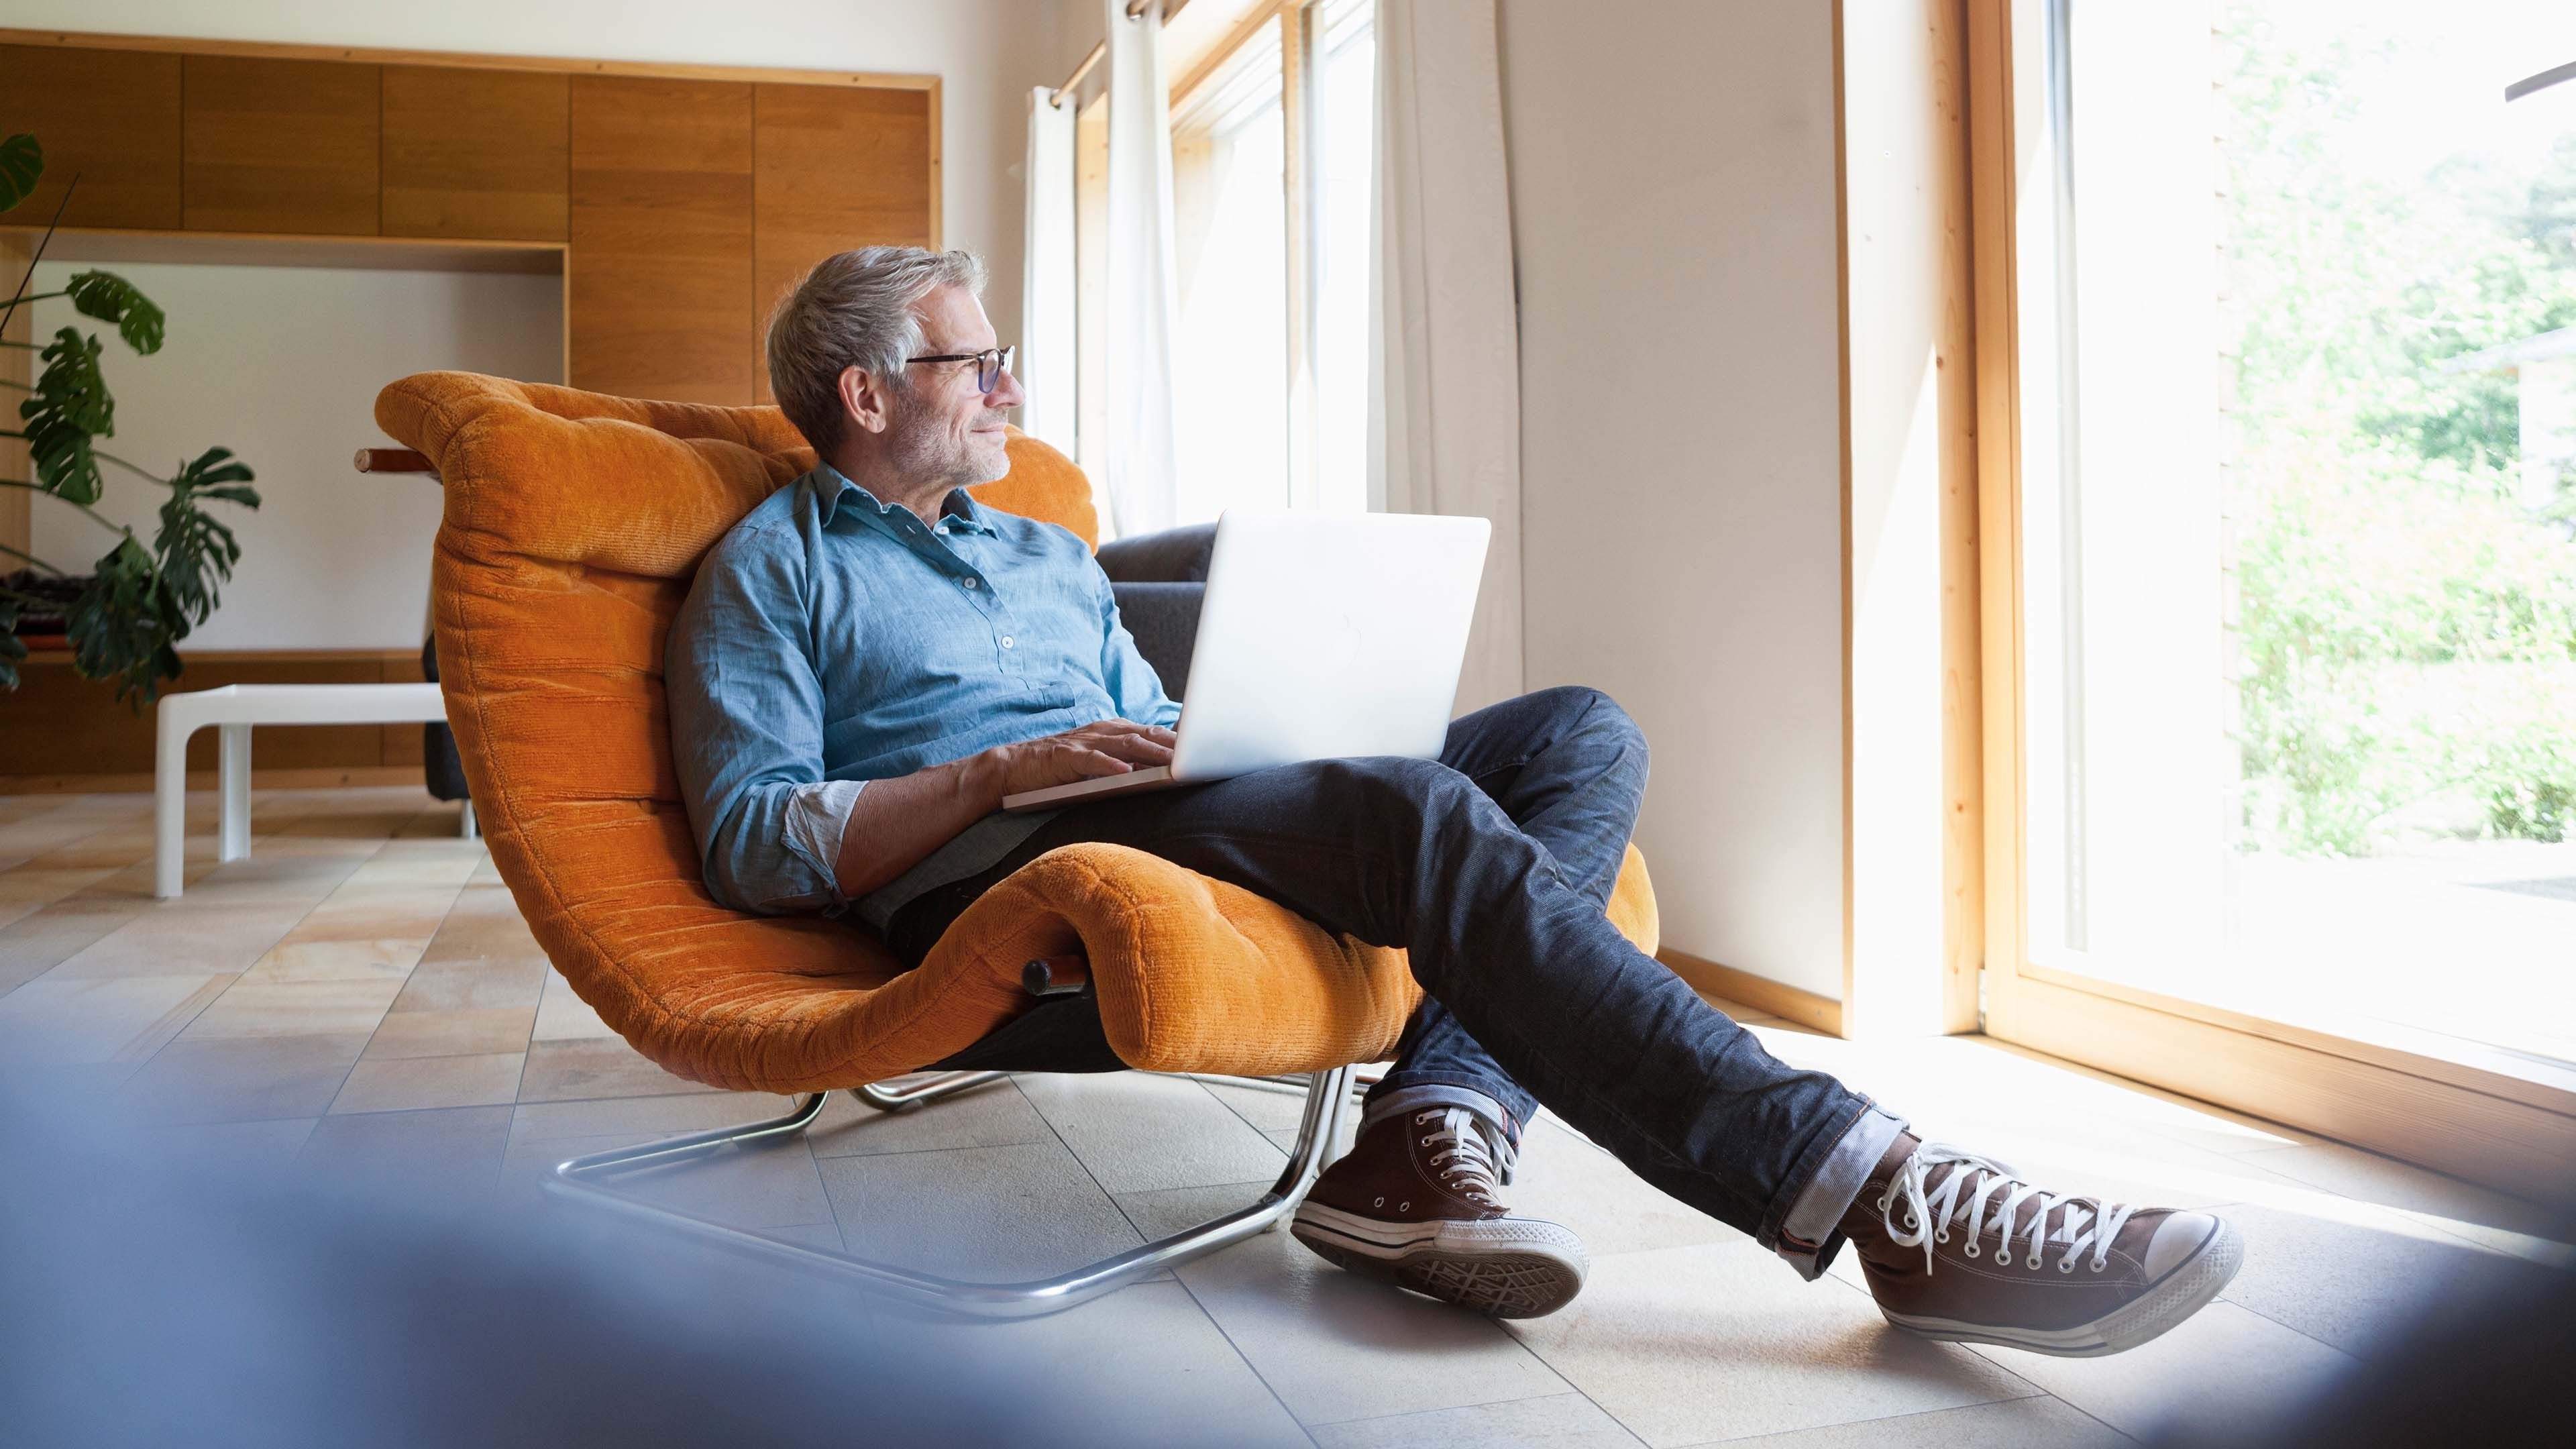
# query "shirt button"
(1006, 641)
(970, 583)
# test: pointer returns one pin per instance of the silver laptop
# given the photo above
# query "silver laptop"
(1322, 636)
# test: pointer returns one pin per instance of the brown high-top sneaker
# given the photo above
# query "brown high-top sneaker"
(1416, 1201)
(1954, 1246)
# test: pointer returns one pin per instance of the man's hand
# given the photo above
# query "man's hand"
(1110, 747)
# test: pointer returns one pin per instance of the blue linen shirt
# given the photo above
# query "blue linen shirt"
(831, 639)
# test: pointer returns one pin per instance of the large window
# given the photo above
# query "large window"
(1272, 177)
(2295, 328)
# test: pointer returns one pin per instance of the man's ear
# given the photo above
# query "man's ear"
(864, 399)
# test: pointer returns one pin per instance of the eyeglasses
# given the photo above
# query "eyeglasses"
(990, 364)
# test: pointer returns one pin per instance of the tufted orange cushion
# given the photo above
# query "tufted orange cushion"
(574, 523)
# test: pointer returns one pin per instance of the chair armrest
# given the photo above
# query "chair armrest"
(1171, 556)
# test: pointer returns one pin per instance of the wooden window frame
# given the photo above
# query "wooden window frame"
(2513, 1129)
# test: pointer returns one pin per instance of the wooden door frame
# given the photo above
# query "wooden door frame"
(2503, 1129)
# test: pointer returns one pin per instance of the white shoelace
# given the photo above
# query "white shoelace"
(1467, 1160)
(1977, 1180)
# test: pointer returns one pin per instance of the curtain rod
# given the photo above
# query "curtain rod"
(1100, 52)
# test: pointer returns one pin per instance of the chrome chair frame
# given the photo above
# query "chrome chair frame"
(1327, 1095)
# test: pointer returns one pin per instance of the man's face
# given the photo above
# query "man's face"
(942, 428)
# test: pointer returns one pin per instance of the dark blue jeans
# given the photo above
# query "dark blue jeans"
(1492, 867)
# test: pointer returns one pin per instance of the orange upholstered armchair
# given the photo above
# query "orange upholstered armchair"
(574, 523)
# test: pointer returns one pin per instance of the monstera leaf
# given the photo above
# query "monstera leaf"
(12, 648)
(127, 624)
(69, 407)
(110, 298)
(21, 162)
(197, 553)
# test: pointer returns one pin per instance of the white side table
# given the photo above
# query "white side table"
(234, 709)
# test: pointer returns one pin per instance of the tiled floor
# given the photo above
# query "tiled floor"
(362, 997)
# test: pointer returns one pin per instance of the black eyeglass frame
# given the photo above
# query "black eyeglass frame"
(990, 364)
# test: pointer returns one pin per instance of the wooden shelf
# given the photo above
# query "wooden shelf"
(250, 249)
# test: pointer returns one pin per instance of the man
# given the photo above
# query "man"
(871, 660)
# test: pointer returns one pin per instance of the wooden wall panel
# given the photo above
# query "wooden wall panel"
(835, 168)
(661, 239)
(110, 117)
(476, 153)
(282, 145)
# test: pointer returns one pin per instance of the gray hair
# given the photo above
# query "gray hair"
(855, 309)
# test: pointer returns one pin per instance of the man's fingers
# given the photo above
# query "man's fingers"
(1093, 763)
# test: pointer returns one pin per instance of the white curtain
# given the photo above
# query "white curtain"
(1141, 455)
(1444, 349)
(1046, 363)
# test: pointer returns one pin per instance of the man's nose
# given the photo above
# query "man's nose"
(1006, 392)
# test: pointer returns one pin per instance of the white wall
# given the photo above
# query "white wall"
(281, 365)
(1673, 213)
(989, 52)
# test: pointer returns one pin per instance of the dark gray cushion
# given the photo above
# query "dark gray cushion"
(1164, 617)
(1171, 556)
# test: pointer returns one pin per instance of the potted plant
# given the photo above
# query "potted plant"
(125, 619)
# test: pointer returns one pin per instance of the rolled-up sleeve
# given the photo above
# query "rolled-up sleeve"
(747, 730)
(1133, 685)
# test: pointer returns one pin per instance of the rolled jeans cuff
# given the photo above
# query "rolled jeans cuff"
(1811, 1232)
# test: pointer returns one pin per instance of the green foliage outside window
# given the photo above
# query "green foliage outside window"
(2406, 628)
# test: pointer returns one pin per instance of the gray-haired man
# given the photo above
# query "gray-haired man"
(871, 660)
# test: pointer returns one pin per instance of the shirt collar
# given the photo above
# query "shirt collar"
(831, 486)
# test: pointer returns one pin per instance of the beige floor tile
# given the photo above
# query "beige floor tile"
(2216, 1372)
(2350, 1274)
(2481, 1215)
(1558, 1421)
(302, 958)
(1266, 1110)
(295, 1008)
(28, 889)
(1564, 1178)
(982, 1214)
(182, 936)
(761, 1188)
(432, 861)
(1139, 1366)
(562, 1016)
(563, 1070)
(452, 1033)
(822, 1237)
(406, 1084)
(474, 984)
(992, 1115)
(1165, 1211)
(248, 1148)
(37, 943)
(448, 1156)
(242, 1079)
(1691, 1344)
(1137, 1132)
(356, 912)
(1335, 1346)
(2039, 1422)
(637, 1118)
(267, 878)
(96, 1019)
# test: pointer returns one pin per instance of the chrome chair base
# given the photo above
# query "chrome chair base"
(583, 1178)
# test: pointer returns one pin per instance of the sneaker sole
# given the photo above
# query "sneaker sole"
(1503, 1268)
(2176, 1296)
